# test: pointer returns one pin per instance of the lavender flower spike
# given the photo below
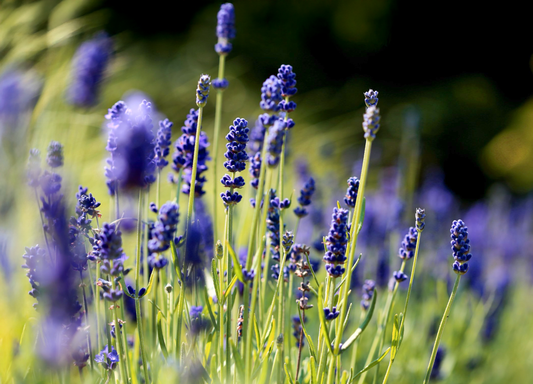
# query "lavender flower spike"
(305, 198)
(225, 29)
(371, 122)
(460, 246)
(371, 98)
(88, 66)
(163, 142)
(420, 216)
(202, 92)
(271, 94)
(351, 192)
(54, 157)
(336, 241)
(275, 142)
(407, 249)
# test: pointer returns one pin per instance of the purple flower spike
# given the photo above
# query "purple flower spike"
(351, 192)
(407, 249)
(460, 246)
(54, 157)
(108, 359)
(371, 122)
(399, 276)
(184, 155)
(331, 314)
(371, 98)
(336, 241)
(225, 28)
(271, 94)
(88, 67)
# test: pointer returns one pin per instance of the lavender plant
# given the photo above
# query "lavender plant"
(242, 302)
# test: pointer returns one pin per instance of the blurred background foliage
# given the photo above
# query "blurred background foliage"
(455, 94)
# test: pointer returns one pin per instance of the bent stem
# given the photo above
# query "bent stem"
(138, 287)
(216, 134)
(441, 329)
(353, 242)
(257, 264)
(192, 190)
(406, 302)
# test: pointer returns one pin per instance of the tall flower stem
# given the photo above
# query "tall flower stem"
(282, 328)
(353, 242)
(42, 225)
(158, 188)
(216, 135)
(137, 288)
(118, 338)
(322, 347)
(193, 172)
(257, 264)
(406, 301)
(441, 329)
(260, 195)
(257, 210)
(221, 268)
(382, 330)
(87, 320)
(99, 339)
(117, 206)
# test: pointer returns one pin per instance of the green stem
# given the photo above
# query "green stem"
(216, 134)
(194, 170)
(97, 310)
(158, 189)
(441, 329)
(406, 300)
(322, 347)
(221, 270)
(118, 338)
(355, 220)
(87, 320)
(382, 327)
(257, 263)
(138, 286)
(385, 320)
(412, 278)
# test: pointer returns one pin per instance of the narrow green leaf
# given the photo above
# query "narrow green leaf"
(160, 336)
(230, 286)
(174, 252)
(361, 216)
(344, 377)
(312, 271)
(237, 269)
(238, 360)
(363, 325)
(269, 334)
(369, 366)
(213, 368)
(312, 368)
(322, 317)
(216, 281)
(310, 343)
(346, 275)
(395, 337)
(211, 314)
(288, 373)
(257, 333)
(264, 372)
(159, 309)
(150, 283)
(347, 314)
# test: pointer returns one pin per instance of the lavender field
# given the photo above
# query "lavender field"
(223, 201)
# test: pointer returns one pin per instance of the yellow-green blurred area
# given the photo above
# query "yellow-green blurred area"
(452, 88)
